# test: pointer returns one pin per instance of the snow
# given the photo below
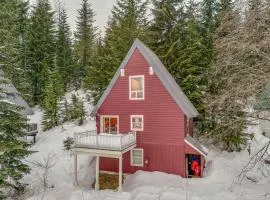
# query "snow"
(222, 170)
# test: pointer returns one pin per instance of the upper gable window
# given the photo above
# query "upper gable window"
(136, 87)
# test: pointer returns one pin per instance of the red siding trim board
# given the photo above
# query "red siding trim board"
(164, 123)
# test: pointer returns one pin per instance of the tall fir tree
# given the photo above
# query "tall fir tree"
(208, 22)
(14, 23)
(191, 64)
(64, 51)
(163, 34)
(19, 61)
(84, 40)
(129, 21)
(41, 49)
(50, 102)
(176, 37)
(12, 148)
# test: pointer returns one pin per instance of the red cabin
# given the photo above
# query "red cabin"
(143, 97)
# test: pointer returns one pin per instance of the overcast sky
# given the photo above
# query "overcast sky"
(102, 10)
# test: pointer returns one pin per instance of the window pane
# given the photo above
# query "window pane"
(136, 84)
(110, 125)
(137, 161)
(137, 125)
(106, 125)
(113, 125)
(139, 94)
(137, 153)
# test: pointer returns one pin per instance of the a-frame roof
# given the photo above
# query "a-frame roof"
(160, 70)
(14, 96)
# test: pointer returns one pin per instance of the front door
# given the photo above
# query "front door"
(110, 124)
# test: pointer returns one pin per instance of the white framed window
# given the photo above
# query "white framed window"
(109, 124)
(136, 123)
(136, 157)
(136, 87)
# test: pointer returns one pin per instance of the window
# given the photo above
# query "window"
(109, 124)
(136, 122)
(136, 157)
(136, 87)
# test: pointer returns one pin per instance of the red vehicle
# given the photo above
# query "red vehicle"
(144, 97)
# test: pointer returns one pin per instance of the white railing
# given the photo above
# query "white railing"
(92, 140)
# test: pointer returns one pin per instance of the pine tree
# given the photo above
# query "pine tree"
(19, 76)
(128, 22)
(64, 52)
(98, 75)
(41, 49)
(176, 36)
(164, 34)
(77, 109)
(50, 104)
(13, 149)
(14, 23)
(209, 21)
(84, 40)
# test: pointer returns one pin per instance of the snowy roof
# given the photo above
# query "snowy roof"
(196, 145)
(160, 70)
(15, 97)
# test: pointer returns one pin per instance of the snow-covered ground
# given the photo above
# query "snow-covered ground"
(217, 184)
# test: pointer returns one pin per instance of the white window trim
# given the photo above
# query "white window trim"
(131, 123)
(112, 116)
(131, 157)
(138, 76)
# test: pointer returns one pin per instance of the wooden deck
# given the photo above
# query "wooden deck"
(103, 145)
(103, 141)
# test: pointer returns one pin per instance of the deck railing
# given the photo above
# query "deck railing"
(31, 127)
(92, 140)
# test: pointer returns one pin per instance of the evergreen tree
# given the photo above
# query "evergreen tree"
(177, 38)
(13, 149)
(50, 104)
(84, 40)
(169, 16)
(64, 52)
(128, 22)
(14, 23)
(77, 109)
(98, 76)
(41, 49)
(19, 76)
(209, 21)
(8, 27)
(64, 110)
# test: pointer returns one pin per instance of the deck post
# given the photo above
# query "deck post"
(97, 173)
(120, 173)
(75, 168)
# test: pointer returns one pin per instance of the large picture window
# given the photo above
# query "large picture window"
(109, 124)
(136, 122)
(136, 87)
(136, 157)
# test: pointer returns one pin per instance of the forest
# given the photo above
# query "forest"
(217, 51)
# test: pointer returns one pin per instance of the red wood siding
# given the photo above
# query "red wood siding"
(159, 157)
(164, 123)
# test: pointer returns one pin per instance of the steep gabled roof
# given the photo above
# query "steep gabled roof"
(14, 96)
(196, 145)
(160, 70)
